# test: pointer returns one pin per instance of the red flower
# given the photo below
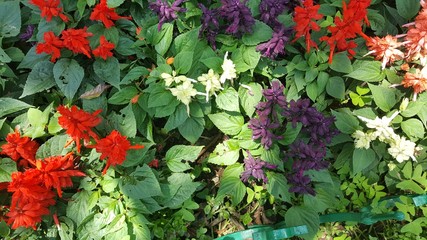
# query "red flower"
(57, 172)
(345, 29)
(49, 9)
(154, 163)
(104, 49)
(19, 147)
(78, 123)
(52, 45)
(305, 20)
(114, 147)
(103, 13)
(76, 40)
(27, 215)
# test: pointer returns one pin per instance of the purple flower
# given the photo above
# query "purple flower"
(270, 10)
(300, 183)
(275, 94)
(239, 15)
(297, 112)
(166, 12)
(254, 167)
(262, 128)
(210, 24)
(276, 45)
(307, 156)
(28, 33)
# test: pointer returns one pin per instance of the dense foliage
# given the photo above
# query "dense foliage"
(196, 119)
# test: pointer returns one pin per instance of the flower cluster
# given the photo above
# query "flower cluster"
(184, 90)
(75, 40)
(412, 48)
(400, 148)
(305, 155)
(345, 28)
(254, 167)
(166, 12)
(237, 20)
(33, 190)
(79, 126)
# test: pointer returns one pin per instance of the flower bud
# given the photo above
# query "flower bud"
(404, 104)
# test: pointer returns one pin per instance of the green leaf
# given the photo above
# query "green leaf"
(413, 128)
(323, 200)
(68, 76)
(407, 8)
(40, 78)
(108, 70)
(38, 121)
(10, 105)
(249, 98)
(278, 186)
(123, 96)
(336, 87)
(177, 118)
(213, 63)
(300, 215)
(7, 167)
(290, 134)
(261, 33)
(179, 190)
(228, 124)
(10, 19)
(55, 146)
(345, 121)
(183, 61)
(410, 185)
(163, 39)
(228, 100)
(4, 58)
(4, 229)
(367, 71)
(125, 121)
(78, 207)
(192, 128)
(312, 92)
(362, 158)
(414, 227)
(225, 153)
(413, 109)
(143, 184)
(231, 185)
(135, 74)
(178, 157)
(341, 63)
(384, 97)
(32, 58)
(114, 3)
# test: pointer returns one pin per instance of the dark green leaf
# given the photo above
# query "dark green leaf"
(341, 63)
(300, 215)
(261, 33)
(177, 118)
(32, 58)
(68, 76)
(7, 167)
(345, 121)
(192, 128)
(55, 146)
(183, 61)
(10, 105)
(78, 207)
(144, 184)
(367, 71)
(163, 39)
(108, 70)
(10, 19)
(407, 8)
(278, 186)
(179, 189)
(40, 78)
(135, 74)
(362, 158)
(123, 96)
(336, 87)
(231, 185)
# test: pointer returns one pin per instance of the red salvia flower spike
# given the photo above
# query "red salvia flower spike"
(104, 49)
(19, 147)
(106, 15)
(49, 9)
(78, 123)
(76, 40)
(52, 45)
(114, 148)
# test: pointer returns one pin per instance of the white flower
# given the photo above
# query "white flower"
(363, 140)
(184, 92)
(381, 125)
(229, 69)
(402, 149)
(212, 83)
(169, 79)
